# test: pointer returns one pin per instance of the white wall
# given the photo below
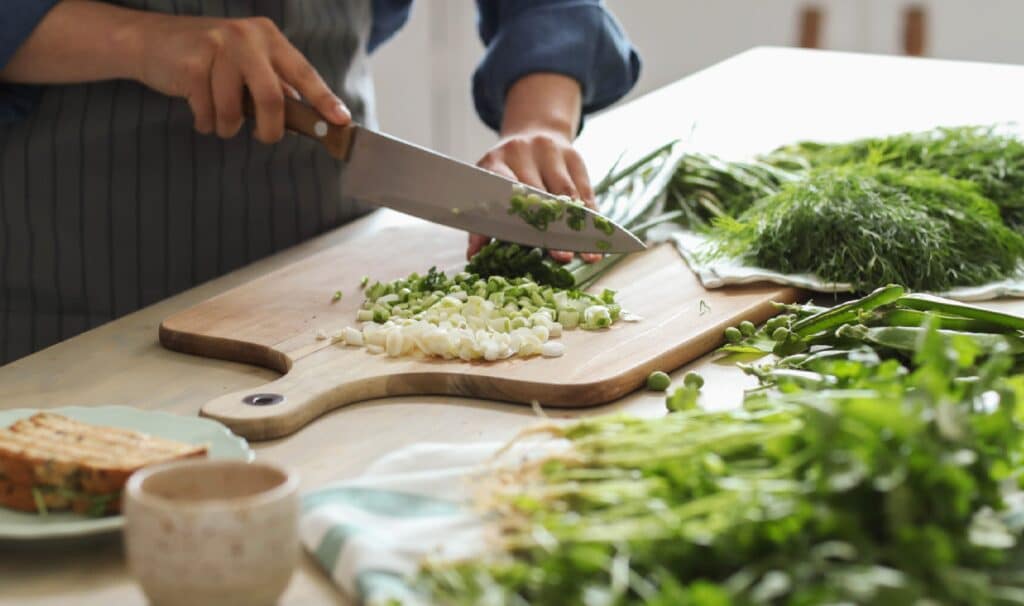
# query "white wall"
(423, 80)
(677, 38)
(423, 74)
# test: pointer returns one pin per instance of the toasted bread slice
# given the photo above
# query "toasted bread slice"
(51, 450)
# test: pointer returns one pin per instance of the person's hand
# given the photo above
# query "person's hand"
(542, 114)
(211, 62)
(544, 159)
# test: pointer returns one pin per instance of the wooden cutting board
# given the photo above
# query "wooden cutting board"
(273, 322)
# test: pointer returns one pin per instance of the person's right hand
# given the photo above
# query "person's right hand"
(210, 62)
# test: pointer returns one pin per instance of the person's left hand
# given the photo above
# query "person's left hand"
(545, 159)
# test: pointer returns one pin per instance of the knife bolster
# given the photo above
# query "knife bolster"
(338, 141)
(304, 120)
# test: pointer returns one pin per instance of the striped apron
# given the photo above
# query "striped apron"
(110, 201)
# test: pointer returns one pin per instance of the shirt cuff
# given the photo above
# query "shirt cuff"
(579, 40)
(19, 21)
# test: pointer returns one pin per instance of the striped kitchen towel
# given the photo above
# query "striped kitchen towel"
(369, 534)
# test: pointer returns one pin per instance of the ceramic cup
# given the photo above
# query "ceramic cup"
(201, 532)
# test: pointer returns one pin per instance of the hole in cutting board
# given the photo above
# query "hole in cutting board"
(263, 399)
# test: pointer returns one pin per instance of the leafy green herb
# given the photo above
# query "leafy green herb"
(854, 475)
(980, 154)
(337, 296)
(872, 226)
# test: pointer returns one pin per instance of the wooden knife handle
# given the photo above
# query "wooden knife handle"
(304, 120)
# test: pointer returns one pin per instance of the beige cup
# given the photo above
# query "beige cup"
(201, 532)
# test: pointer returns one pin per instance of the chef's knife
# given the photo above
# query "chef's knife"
(384, 171)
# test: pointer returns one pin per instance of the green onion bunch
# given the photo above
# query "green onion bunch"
(506, 259)
(705, 187)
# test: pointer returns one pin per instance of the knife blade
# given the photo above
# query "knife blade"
(386, 171)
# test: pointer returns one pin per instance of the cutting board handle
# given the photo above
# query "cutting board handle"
(315, 385)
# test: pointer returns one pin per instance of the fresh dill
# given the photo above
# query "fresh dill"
(871, 226)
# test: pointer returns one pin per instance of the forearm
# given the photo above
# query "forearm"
(78, 41)
(543, 102)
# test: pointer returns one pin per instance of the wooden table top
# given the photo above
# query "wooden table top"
(747, 104)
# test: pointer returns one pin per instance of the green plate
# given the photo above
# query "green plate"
(221, 444)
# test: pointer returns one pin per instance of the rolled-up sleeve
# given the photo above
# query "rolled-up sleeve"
(19, 20)
(576, 38)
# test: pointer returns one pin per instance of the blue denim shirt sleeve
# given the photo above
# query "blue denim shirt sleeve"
(20, 18)
(576, 38)
(388, 17)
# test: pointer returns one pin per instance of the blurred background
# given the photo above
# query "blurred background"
(423, 74)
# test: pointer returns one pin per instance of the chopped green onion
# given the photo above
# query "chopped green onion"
(472, 317)
(576, 216)
(604, 225)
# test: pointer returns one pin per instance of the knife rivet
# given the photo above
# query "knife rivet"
(320, 128)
